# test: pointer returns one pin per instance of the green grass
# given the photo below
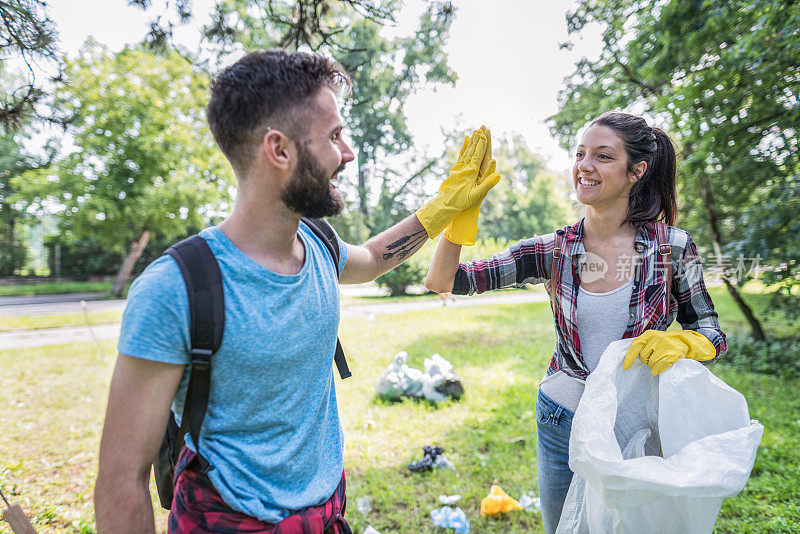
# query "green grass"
(53, 401)
(36, 322)
(54, 288)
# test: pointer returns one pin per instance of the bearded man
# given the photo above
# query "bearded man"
(271, 441)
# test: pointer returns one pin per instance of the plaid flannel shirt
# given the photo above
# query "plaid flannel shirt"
(530, 260)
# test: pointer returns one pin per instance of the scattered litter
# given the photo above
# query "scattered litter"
(430, 454)
(447, 517)
(437, 383)
(442, 462)
(530, 503)
(370, 530)
(498, 502)
(364, 505)
(449, 499)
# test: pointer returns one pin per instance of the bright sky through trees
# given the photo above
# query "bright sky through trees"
(505, 52)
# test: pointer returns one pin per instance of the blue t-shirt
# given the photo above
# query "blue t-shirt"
(272, 431)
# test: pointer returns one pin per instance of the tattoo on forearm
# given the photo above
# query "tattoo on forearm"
(405, 245)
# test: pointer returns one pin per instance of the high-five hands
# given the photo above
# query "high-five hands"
(464, 228)
(659, 350)
(464, 188)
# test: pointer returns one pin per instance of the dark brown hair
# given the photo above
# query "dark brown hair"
(266, 88)
(652, 197)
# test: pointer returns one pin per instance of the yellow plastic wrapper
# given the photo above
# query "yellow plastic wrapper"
(498, 502)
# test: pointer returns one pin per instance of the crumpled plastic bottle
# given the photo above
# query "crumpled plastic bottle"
(530, 503)
(447, 517)
(498, 502)
(443, 462)
(449, 499)
(364, 505)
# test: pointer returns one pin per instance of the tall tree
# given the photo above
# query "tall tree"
(291, 24)
(724, 78)
(145, 165)
(29, 34)
(385, 72)
(13, 162)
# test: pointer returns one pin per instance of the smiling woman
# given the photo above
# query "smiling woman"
(621, 272)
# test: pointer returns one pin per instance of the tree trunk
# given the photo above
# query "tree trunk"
(125, 270)
(757, 331)
(11, 238)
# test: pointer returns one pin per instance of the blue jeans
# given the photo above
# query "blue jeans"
(554, 423)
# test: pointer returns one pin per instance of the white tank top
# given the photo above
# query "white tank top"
(602, 318)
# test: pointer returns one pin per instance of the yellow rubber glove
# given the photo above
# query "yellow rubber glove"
(459, 190)
(464, 228)
(658, 350)
(498, 502)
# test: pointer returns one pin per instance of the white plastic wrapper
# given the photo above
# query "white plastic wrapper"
(656, 454)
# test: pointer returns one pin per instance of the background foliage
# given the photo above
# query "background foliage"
(723, 78)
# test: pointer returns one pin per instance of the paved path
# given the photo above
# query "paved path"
(45, 299)
(81, 334)
(57, 307)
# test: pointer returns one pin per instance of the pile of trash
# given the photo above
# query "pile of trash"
(437, 383)
(496, 503)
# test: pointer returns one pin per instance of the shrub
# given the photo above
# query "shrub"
(775, 357)
(399, 279)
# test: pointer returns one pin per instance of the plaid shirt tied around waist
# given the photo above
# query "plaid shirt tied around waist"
(198, 508)
(530, 262)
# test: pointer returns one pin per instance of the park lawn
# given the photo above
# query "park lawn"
(53, 400)
(54, 288)
(36, 322)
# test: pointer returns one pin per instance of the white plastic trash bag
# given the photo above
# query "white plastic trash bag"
(399, 379)
(437, 372)
(656, 454)
(438, 383)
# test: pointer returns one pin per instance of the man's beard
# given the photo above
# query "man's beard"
(309, 192)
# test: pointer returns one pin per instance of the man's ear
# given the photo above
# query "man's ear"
(277, 149)
(637, 171)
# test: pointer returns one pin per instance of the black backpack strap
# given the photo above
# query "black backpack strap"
(323, 230)
(203, 281)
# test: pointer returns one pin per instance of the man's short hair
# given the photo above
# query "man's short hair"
(269, 88)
